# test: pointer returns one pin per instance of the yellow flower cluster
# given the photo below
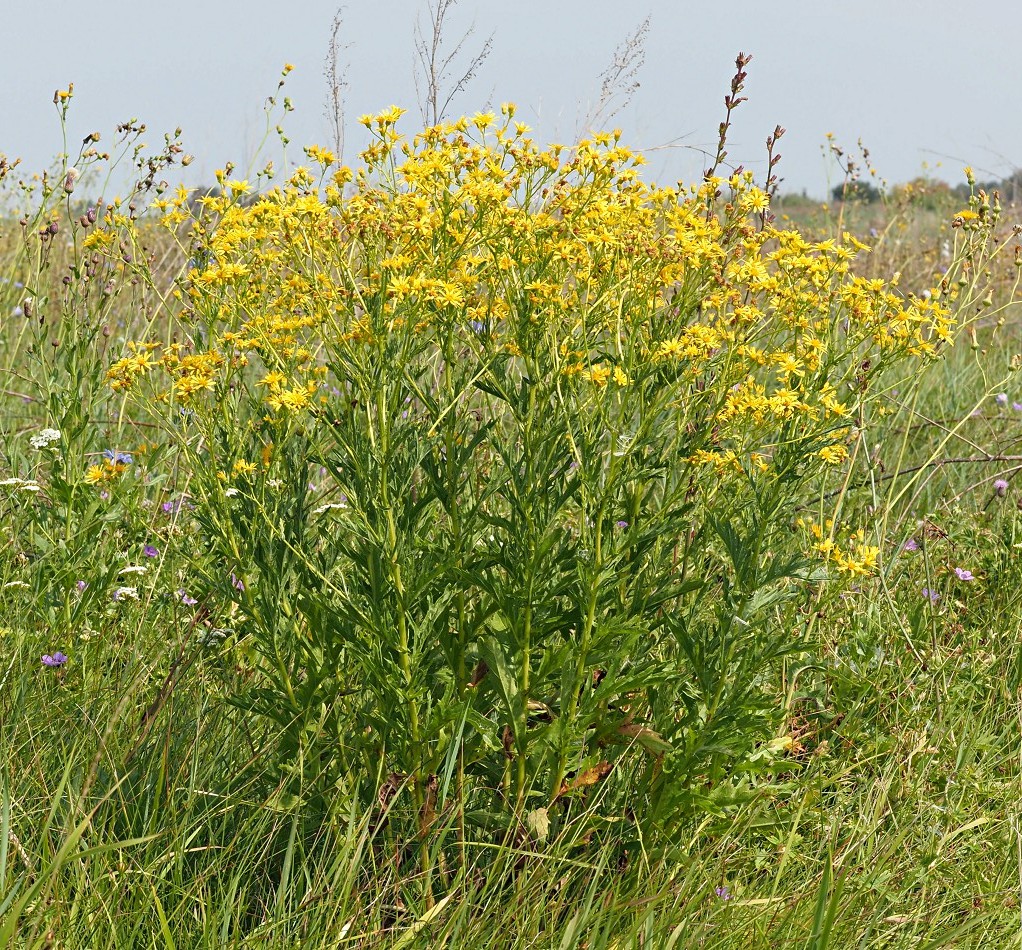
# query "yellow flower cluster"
(192, 372)
(470, 239)
(854, 558)
(105, 472)
(492, 230)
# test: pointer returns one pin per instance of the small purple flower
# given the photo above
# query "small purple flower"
(150, 551)
(1017, 406)
(931, 595)
(236, 582)
(477, 326)
(723, 893)
(963, 575)
(80, 586)
(910, 545)
(58, 659)
(104, 495)
(185, 599)
(169, 507)
(1001, 487)
(621, 524)
(117, 458)
(1001, 399)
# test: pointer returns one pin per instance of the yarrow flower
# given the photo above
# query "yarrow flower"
(126, 593)
(45, 438)
(963, 575)
(57, 659)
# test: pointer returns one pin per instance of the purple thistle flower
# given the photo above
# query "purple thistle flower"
(931, 595)
(150, 551)
(964, 575)
(58, 659)
(1001, 487)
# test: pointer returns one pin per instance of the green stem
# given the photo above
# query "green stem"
(403, 647)
(526, 675)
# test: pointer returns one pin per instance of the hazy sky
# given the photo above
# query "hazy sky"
(921, 82)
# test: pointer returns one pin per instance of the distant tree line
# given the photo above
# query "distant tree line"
(929, 190)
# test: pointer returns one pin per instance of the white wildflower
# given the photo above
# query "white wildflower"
(322, 508)
(45, 438)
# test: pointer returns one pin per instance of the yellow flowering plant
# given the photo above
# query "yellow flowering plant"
(504, 448)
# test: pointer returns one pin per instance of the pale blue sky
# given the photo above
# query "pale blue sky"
(920, 81)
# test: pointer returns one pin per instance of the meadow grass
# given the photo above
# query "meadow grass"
(302, 705)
